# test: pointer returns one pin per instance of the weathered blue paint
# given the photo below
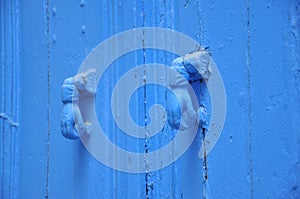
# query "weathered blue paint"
(274, 98)
(9, 99)
(256, 47)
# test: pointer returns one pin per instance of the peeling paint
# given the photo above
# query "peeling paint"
(82, 3)
(6, 118)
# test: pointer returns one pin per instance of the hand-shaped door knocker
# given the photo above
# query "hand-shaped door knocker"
(192, 67)
(72, 124)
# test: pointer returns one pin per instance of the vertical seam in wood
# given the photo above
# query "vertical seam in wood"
(48, 96)
(9, 106)
(199, 23)
(147, 174)
(203, 130)
(14, 99)
(11, 131)
(205, 168)
(249, 139)
(3, 17)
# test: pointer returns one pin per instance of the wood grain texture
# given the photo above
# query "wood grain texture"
(9, 100)
(256, 47)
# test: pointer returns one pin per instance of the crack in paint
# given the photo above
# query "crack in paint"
(249, 140)
(186, 3)
(205, 167)
(47, 9)
(147, 175)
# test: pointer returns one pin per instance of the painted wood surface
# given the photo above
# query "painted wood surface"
(255, 45)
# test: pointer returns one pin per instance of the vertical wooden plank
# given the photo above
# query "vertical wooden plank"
(74, 33)
(188, 171)
(182, 179)
(224, 30)
(160, 183)
(68, 161)
(274, 76)
(34, 98)
(124, 15)
(9, 104)
(157, 183)
(170, 181)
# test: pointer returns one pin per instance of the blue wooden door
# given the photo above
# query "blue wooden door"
(255, 45)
